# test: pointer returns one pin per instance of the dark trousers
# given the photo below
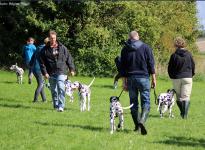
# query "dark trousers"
(117, 77)
(40, 87)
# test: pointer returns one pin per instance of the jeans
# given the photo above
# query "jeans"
(57, 86)
(40, 87)
(138, 86)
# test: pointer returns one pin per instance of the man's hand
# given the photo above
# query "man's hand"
(125, 86)
(72, 73)
(46, 76)
(154, 81)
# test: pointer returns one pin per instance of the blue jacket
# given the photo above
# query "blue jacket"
(34, 63)
(137, 59)
(28, 51)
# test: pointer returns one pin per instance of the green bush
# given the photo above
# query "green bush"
(94, 30)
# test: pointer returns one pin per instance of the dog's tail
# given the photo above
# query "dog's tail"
(128, 107)
(91, 82)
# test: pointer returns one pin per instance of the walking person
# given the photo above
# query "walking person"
(28, 51)
(35, 67)
(181, 69)
(137, 62)
(55, 63)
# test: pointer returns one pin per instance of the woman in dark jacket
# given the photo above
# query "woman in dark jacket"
(181, 69)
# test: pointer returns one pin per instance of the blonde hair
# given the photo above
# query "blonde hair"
(179, 42)
(46, 40)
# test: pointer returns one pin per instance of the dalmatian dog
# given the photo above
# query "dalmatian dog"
(19, 73)
(84, 93)
(69, 89)
(116, 110)
(166, 102)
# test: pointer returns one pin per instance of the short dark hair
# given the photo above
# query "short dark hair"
(30, 38)
(52, 32)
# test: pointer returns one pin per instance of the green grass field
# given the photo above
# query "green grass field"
(24, 125)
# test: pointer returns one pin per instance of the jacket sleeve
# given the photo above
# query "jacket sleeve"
(123, 64)
(193, 66)
(171, 66)
(42, 60)
(150, 60)
(33, 59)
(69, 60)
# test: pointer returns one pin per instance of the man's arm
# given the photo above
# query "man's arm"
(69, 62)
(41, 60)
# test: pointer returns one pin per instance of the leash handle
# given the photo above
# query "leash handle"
(120, 93)
(155, 97)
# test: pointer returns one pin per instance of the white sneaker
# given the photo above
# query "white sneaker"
(60, 109)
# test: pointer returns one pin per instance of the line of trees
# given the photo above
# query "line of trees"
(94, 31)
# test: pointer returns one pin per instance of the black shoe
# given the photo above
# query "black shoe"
(136, 129)
(179, 104)
(29, 81)
(142, 129)
(34, 101)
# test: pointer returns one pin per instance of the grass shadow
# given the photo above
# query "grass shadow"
(103, 86)
(20, 106)
(184, 141)
(84, 127)
(9, 100)
(9, 82)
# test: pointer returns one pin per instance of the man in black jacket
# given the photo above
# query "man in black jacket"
(137, 64)
(55, 61)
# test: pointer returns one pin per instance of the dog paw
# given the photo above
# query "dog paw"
(111, 132)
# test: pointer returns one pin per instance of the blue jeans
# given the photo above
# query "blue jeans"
(57, 86)
(138, 86)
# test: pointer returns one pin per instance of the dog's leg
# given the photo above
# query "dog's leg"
(171, 115)
(84, 102)
(121, 123)
(81, 102)
(165, 109)
(89, 101)
(112, 122)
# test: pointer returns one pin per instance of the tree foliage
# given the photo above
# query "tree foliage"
(93, 31)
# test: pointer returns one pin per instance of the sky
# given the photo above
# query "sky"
(201, 12)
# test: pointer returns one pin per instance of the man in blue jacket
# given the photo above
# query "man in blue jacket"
(137, 63)
(28, 51)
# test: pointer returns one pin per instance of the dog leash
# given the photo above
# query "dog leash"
(120, 93)
(155, 97)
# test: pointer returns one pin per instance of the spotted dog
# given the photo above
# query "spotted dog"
(69, 89)
(19, 73)
(166, 102)
(116, 109)
(84, 93)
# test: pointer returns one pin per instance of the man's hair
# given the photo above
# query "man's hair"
(133, 34)
(179, 42)
(52, 32)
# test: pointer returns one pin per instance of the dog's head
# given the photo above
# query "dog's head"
(114, 99)
(13, 67)
(75, 85)
(171, 91)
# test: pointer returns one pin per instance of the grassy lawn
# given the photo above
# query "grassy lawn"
(25, 125)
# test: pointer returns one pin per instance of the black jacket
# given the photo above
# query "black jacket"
(181, 65)
(137, 59)
(55, 65)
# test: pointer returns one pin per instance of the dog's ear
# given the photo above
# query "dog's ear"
(174, 90)
(168, 90)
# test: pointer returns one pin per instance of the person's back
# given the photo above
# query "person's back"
(137, 63)
(137, 59)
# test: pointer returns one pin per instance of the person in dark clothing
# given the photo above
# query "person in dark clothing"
(137, 63)
(35, 67)
(118, 75)
(55, 62)
(181, 69)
